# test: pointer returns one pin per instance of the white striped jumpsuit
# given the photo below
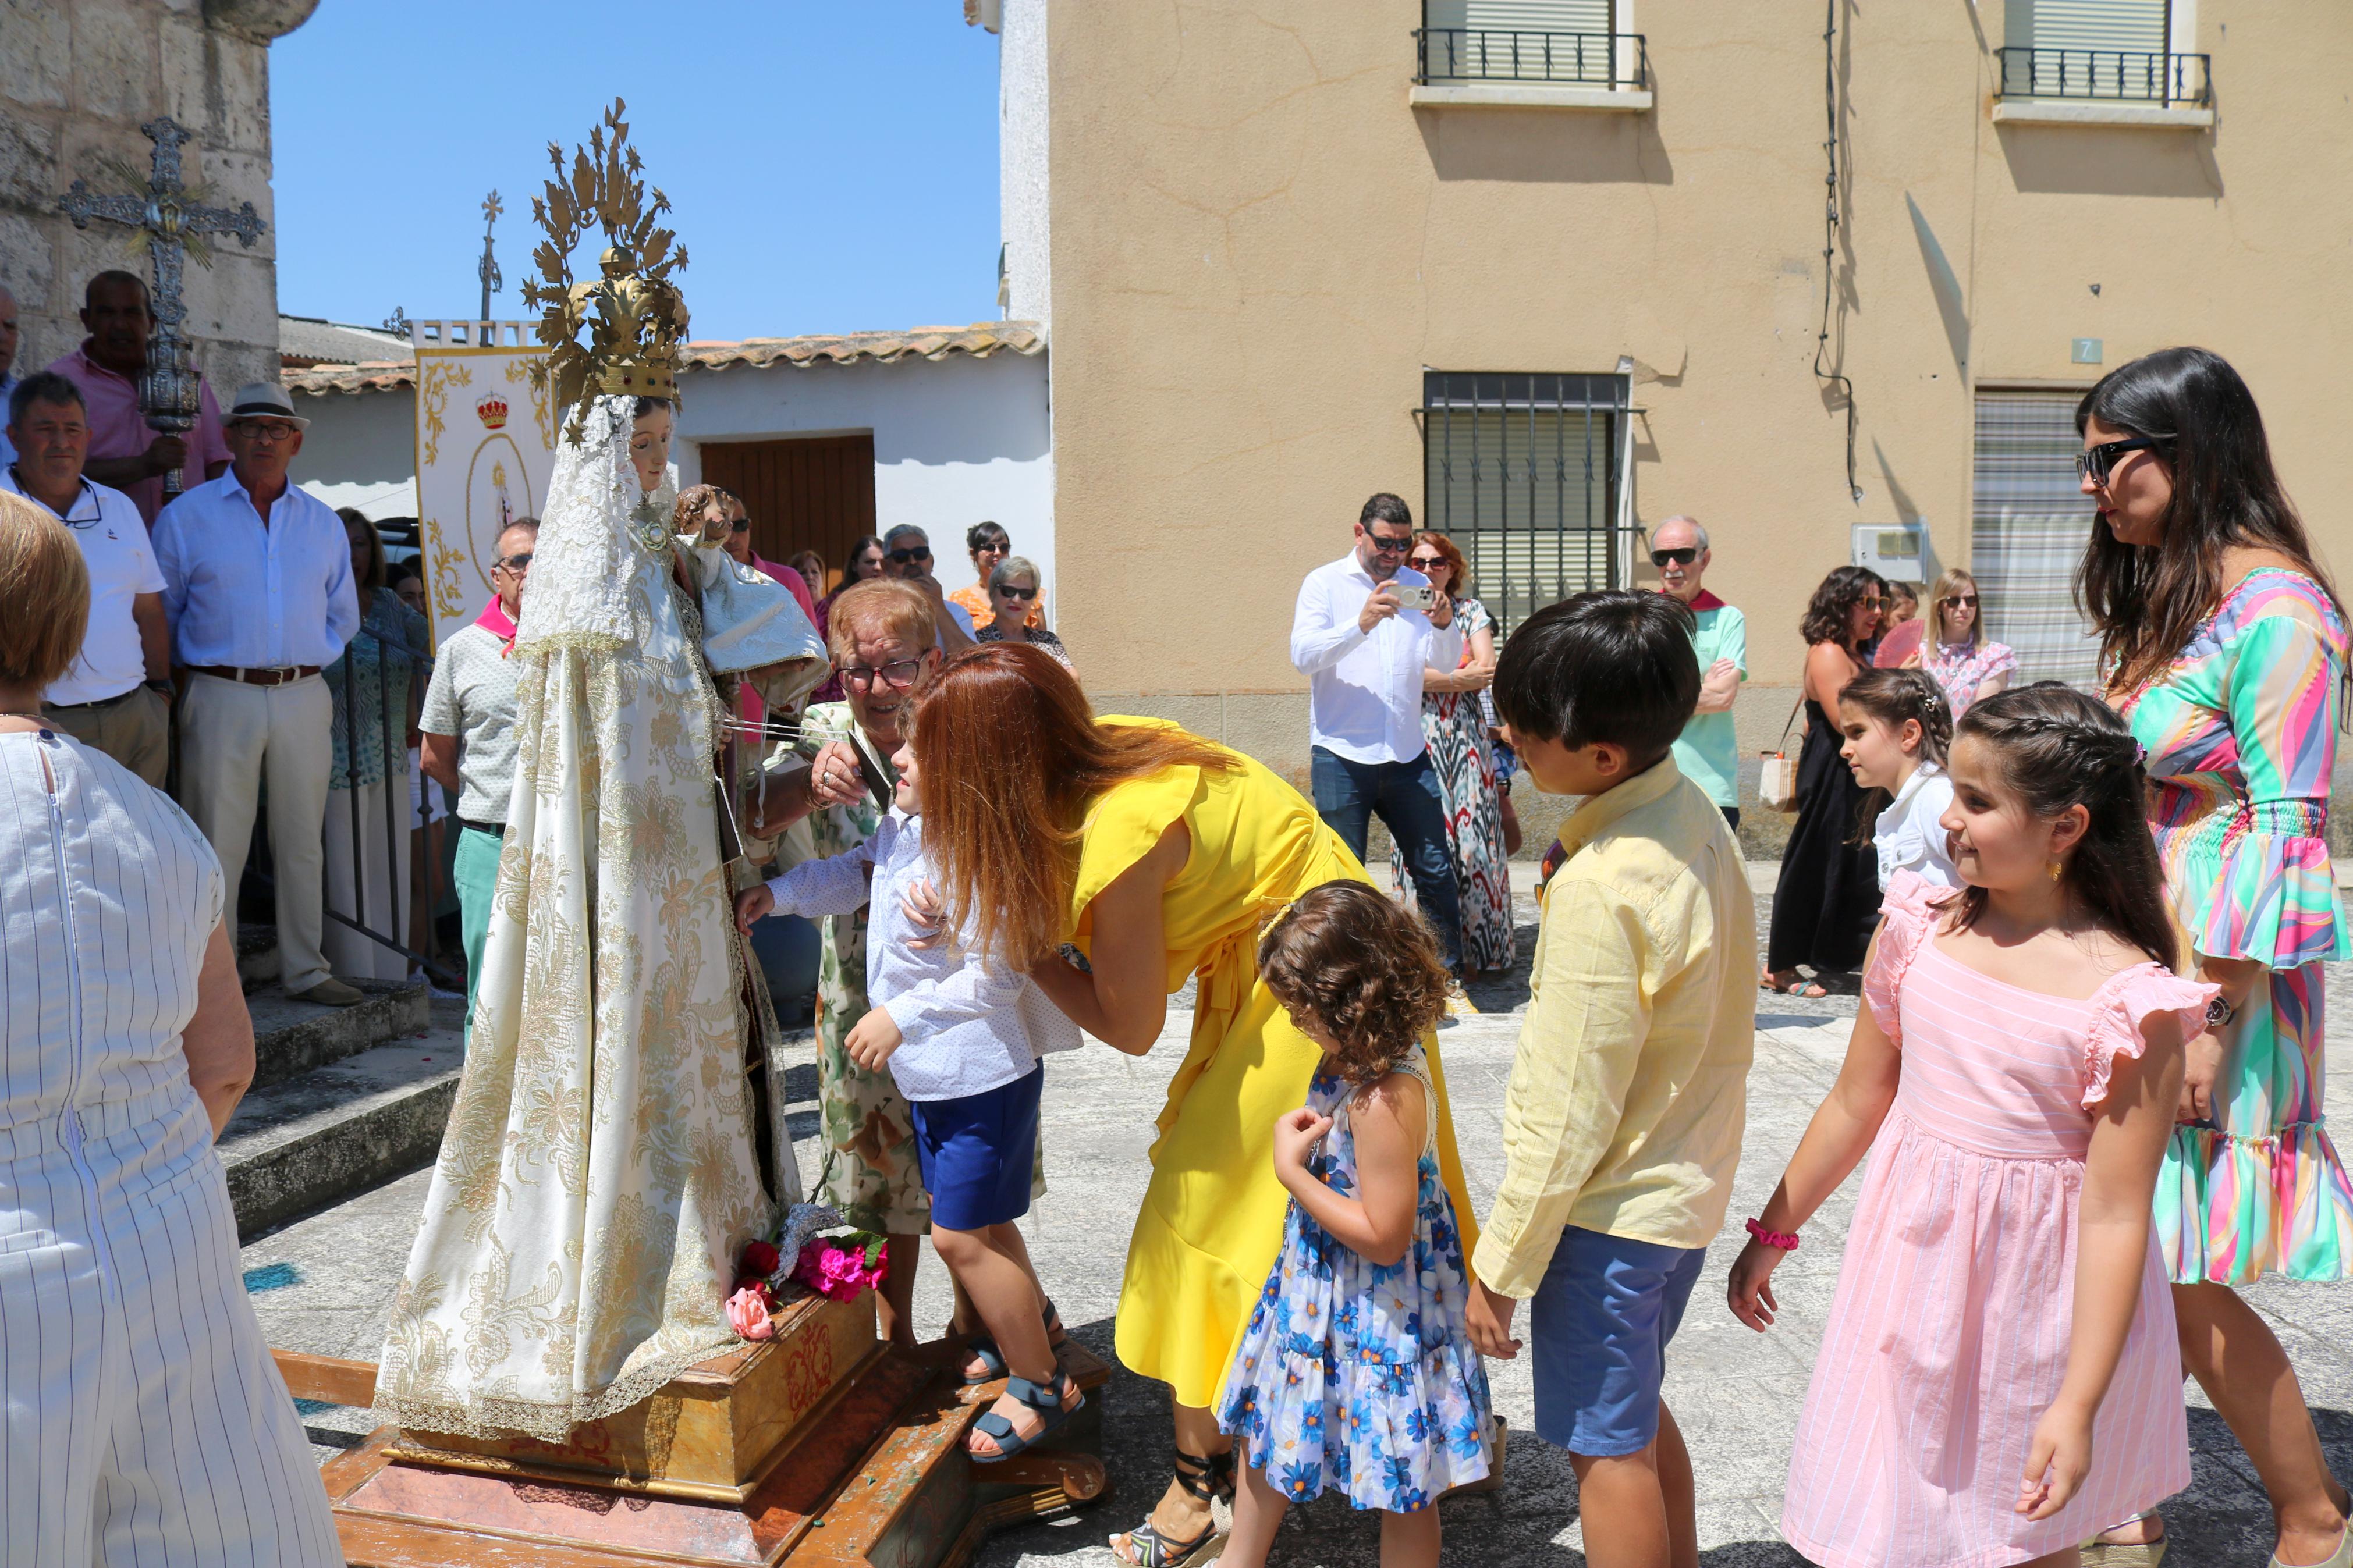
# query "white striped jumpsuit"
(143, 1423)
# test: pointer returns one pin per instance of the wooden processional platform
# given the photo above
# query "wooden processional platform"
(821, 1448)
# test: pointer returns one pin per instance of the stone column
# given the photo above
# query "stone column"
(76, 82)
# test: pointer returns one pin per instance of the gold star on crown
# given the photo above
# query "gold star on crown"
(635, 316)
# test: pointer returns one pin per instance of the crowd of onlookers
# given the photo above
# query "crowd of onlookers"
(260, 656)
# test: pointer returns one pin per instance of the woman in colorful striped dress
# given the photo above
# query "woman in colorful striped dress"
(1454, 726)
(2226, 651)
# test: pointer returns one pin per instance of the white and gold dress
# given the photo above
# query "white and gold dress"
(598, 1177)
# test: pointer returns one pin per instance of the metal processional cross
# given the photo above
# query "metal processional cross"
(167, 392)
(488, 270)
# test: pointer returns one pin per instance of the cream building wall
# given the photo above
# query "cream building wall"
(77, 78)
(1258, 245)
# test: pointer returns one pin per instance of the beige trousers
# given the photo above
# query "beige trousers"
(233, 738)
(136, 731)
(381, 861)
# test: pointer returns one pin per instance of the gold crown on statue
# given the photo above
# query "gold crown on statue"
(635, 316)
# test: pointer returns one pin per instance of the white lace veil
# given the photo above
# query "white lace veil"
(586, 563)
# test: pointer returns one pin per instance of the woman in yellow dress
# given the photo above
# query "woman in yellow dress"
(1161, 856)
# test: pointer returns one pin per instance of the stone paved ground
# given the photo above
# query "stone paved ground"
(1737, 1393)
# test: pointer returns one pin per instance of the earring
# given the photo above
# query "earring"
(2056, 869)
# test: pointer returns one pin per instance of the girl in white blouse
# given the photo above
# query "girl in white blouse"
(1897, 724)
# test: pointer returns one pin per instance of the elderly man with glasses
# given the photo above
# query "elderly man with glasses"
(116, 697)
(468, 739)
(1708, 752)
(257, 583)
(1361, 637)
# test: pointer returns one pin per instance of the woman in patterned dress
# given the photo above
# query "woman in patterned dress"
(373, 688)
(2225, 649)
(1967, 667)
(1454, 726)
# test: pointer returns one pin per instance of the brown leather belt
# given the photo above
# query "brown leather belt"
(283, 675)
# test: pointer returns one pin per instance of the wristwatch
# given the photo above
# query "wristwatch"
(2219, 1014)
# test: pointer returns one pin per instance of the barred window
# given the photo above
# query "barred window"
(2029, 525)
(1525, 473)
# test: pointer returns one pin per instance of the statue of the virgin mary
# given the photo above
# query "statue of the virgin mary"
(608, 1157)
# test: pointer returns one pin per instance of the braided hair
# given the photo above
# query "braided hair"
(2057, 748)
(1895, 697)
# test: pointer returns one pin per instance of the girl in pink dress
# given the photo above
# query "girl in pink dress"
(1999, 1380)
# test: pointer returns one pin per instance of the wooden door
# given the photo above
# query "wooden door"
(811, 493)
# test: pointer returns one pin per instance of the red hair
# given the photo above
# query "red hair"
(1012, 756)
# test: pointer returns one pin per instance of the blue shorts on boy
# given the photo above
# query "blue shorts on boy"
(976, 1152)
(1600, 1322)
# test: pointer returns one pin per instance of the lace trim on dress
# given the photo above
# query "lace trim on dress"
(587, 552)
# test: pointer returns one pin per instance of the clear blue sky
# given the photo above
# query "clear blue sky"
(830, 168)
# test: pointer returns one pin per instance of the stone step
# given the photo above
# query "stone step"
(291, 1037)
(342, 1127)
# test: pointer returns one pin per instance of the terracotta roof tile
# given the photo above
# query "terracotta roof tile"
(980, 340)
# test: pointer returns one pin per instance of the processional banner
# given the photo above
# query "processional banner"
(485, 447)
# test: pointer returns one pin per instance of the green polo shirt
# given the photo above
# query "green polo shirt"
(1708, 751)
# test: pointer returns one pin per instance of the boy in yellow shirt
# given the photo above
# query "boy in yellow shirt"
(1622, 1124)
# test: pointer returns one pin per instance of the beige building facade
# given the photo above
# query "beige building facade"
(1554, 270)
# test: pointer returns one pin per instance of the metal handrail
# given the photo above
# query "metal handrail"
(1567, 59)
(2113, 76)
(395, 795)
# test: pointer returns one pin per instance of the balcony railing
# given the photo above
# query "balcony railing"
(1612, 61)
(2110, 75)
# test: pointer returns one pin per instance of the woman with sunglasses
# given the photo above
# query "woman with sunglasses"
(1454, 726)
(2223, 645)
(988, 545)
(1961, 659)
(1827, 897)
(1013, 602)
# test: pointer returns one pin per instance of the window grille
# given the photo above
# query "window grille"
(1526, 474)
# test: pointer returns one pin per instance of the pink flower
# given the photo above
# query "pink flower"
(837, 1272)
(747, 1313)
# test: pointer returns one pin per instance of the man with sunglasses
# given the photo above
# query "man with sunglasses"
(469, 739)
(257, 581)
(1708, 751)
(1363, 649)
(117, 697)
(907, 556)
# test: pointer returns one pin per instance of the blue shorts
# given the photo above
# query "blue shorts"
(1600, 1322)
(977, 1152)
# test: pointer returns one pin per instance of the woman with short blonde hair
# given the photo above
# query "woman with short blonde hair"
(1956, 652)
(124, 1046)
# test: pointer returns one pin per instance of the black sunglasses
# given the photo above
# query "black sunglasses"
(1389, 546)
(1024, 593)
(1683, 556)
(2093, 462)
(921, 553)
(514, 563)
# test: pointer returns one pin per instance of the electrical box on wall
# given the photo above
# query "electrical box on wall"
(1899, 551)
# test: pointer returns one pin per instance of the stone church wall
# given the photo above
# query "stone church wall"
(77, 78)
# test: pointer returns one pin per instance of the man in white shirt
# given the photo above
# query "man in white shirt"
(257, 581)
(1363, 649)
(116, 698)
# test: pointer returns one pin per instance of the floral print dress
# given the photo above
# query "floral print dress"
(2241, 735)
(1353, 1375)
(1960, 671)
(1454, 726)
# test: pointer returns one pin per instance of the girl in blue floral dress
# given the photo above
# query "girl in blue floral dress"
(1356, 1371)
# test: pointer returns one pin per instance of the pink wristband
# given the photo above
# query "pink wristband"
(1773, 1239)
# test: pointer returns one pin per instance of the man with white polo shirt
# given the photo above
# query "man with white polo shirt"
(257, 581)
(116, 698)
(1363, 649)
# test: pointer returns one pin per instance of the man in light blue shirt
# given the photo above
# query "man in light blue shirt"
(1363, 649)
(1708, 752)
(257, 583)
